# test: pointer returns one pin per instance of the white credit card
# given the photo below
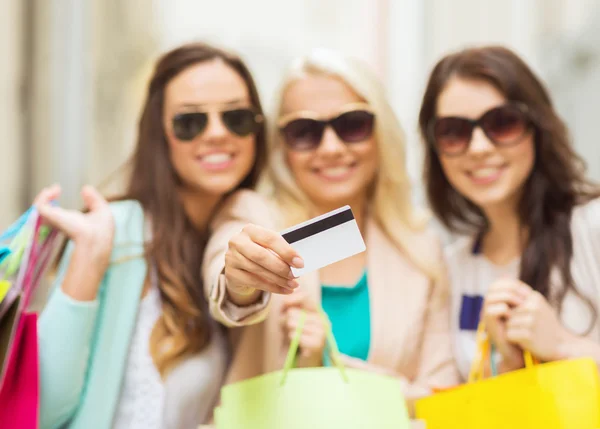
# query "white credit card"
(325, 239)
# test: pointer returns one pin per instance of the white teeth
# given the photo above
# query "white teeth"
(335, 171)
(485, 172)
(216, 158)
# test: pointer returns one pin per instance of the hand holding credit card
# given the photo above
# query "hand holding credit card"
(324, 240)
(261, 259)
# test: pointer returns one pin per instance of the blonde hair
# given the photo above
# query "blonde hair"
(390, 205)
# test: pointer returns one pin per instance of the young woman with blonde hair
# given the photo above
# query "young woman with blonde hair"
(336, 141)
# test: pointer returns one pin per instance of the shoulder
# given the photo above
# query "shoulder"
(587, 217)
(127, 211)
(129, 221)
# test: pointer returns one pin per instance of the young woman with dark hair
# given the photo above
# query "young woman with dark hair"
(127, 339)
(500, 167)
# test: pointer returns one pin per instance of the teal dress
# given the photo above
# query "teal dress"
(349, 312)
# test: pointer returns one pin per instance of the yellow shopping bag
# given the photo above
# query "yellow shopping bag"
(313, 398)
(556, 395)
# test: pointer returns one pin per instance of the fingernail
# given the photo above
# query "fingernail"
(293, 284)
(297, 262)
(287, 291)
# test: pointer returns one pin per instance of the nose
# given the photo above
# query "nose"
(331, 144)
(480, 143)
(215, 129)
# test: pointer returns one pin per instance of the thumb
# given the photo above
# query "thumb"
(58, 217)
(92, 199)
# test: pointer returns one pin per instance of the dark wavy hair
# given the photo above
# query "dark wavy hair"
(555, 186)
(177, 246)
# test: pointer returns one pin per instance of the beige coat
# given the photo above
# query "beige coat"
(241, 208)
(410, 325)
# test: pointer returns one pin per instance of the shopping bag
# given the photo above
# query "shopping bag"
(316, 398)
(19, 364)
(555, 395)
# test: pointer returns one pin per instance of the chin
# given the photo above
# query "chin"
(491, 199)
(217, 188)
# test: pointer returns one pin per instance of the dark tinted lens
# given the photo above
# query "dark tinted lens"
(303, 134)
(452, 135)
(505, 125)
(240, 121)
(187, 126)
(354, 126)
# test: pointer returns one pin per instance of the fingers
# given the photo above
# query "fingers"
(237, 260)
(275, 242)
(92, 199)
(47, 195)
(247, 279)
(58, 218)
(314, 332)
(509, 291)
(497, 311)
(518, 335)
(298, 300)
(246, 254)
(520, 325)
(510, 297)
(313, 322)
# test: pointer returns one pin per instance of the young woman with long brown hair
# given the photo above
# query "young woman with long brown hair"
(500, 167)
(127, 339)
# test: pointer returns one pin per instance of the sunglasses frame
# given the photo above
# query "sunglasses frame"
(258, 117)
(285, 120)
(475, 123)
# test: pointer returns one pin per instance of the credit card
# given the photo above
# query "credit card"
(325, 239)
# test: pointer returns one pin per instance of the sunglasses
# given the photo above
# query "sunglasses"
(504, 125)
(302, 131)
(241, 122)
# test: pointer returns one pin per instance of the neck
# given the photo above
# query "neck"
(199, 207)
(502, 242)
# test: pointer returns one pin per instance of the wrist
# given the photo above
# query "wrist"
(243, 296)
(94, 250)
(567, 346)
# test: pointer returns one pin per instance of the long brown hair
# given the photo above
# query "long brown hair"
(177, 247)
(555, 186)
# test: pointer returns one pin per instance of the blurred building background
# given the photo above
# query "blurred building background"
(73, 71)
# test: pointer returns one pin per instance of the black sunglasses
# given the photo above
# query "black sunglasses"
(504, 125)
(242, 122)
(302, 131)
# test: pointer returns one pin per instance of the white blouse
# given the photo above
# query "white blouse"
(142, 392)
(188, 395)
(471, 274)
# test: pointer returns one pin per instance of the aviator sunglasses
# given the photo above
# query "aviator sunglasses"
(303, 131)
(240, 121)
(504, 125)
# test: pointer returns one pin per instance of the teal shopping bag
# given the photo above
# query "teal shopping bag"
(315, 398)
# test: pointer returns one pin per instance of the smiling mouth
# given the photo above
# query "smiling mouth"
(216, 161)
(486, 174)
(339, 172)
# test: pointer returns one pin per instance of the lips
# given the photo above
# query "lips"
(485, 175)
(337, 172)
(216, 160)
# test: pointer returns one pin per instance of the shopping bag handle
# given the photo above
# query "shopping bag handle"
(485, 351)
(293, 350)
(16, 226)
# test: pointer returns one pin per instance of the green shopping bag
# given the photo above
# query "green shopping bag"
(315, 398)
